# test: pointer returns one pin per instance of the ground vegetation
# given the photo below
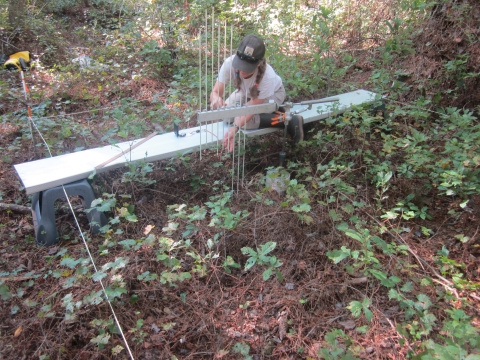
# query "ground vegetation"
(372, 250)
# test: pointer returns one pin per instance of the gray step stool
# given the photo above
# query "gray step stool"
(43, 210)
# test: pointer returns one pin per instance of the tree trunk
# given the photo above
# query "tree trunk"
(16, 13)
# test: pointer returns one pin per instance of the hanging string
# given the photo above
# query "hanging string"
(117, 322)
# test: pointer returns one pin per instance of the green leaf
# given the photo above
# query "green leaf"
(424, 301)
(338, 255)
(133, 299)
(241, 348)
(92, 174)
(5, 292)
(147, 276)
(366, 302)
(117, 264)
(101, 339)
(355, 307)
(184, 276)
(250, 262)
(249, 251)
(362, 329)
(117, 350)
(268, 247)
(380, 243)
(354, 235)
(168, 326)
(426, 281)
(343, 226)
(115, 292)
(335, 216)
(301, 208)
(230, 262)
(390, 215)
(104, 204)
(407, 287)
(30, 303)
(267, 273)
(20, 292)
(368, 314)
(127, 244)
(384, 280)
(279, 275)
(394, 279)
(94, 298)
(348, 208)
(70, 262)
(98, 276)
(473, 357)
(131, 217)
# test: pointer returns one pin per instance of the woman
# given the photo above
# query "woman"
(255, 83)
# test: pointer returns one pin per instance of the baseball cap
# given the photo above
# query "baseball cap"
(249, 53)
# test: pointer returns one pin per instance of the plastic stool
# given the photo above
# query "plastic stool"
(43, 211)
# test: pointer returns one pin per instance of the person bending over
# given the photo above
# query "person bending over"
(255, 82)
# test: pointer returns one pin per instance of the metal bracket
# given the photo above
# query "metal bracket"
(175, 130)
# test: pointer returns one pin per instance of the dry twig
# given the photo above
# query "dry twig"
(16, 208)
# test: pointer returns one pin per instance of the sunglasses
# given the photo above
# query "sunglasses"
(246, 57)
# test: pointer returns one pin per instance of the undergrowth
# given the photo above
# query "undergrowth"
(360, 232)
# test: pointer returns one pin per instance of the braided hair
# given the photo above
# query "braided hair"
(254, 92)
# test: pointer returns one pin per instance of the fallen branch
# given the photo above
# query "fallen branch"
(16, 208)
(16, 278)
(357, 281)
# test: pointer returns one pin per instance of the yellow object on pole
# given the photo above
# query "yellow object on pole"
(21, 61)
(18, 61)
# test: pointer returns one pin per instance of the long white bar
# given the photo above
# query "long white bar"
(324, 110)
(231, 112)
(50, 172)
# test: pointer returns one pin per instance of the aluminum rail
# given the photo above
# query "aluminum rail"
(47, 173)
(230, 112)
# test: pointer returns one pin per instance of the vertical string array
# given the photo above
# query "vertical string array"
(206, 73)
(230, 91)
(206, 57)
(218, 71)
(199, 70)
(212, 54)
(244, 140)
(203, 67)
(224, 58)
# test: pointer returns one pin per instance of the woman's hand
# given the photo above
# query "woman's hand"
(229, 138)
(216, 101)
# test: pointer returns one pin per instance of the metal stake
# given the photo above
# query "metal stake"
(200, 69)
(218, 70)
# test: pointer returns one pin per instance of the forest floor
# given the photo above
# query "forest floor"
(204, 316)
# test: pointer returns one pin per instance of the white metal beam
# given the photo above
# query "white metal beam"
(50, 172)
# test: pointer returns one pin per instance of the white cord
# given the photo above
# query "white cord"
(89, 254)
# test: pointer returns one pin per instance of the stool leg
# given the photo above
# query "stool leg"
(43, 221)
